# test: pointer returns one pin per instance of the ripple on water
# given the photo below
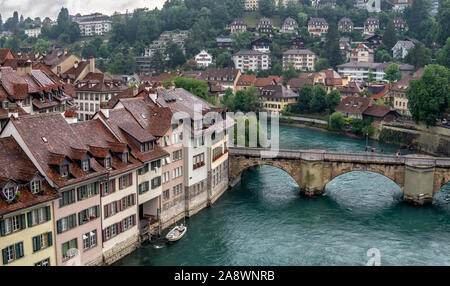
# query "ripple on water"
(264, 221)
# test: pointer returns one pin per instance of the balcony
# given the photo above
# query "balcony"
(220, 155)
(198, 165)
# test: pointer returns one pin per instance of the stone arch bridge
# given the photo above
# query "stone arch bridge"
(419, 176)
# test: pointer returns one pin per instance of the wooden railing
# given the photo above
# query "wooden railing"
(320, 155)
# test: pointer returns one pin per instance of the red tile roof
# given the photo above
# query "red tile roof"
(16, 166)
(355, 105)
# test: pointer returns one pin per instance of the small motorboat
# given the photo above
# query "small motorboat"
(176, 233)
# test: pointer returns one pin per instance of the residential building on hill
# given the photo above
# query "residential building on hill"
(359, 71)
(277, 97)
(261, 44)
(371, 25)
(33, 33)
(224, 77)
(238, 26)
(203, 59)
(94, 24)
(289, 26)
(401, 49)
(317, 27)
(301, 59)
(345, 25)
(251, 5)
(362, 53)
(251, 61)
(265, 25)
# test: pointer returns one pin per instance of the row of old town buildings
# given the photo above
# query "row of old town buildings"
(89, 168)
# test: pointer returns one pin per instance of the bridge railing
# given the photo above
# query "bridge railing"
(317, 155)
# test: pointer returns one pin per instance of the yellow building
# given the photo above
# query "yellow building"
(26, 212)
(276, 97)
(330, 80)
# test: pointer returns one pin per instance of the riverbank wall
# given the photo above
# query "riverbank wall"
(433, 140)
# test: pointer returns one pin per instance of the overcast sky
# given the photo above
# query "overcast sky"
(50, 8)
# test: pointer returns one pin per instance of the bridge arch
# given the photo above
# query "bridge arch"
(393, 172)
(239, 165)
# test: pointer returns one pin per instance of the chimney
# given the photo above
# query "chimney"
(91, 64)
(65, 51)
(135, 90)
(75, 65)
(105, 112)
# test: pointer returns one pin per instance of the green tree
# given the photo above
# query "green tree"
(419, 56)
(157, 61)
(197, 87)
(321, 64)
(304, 99)
(267, 7)
(228, 99)
(443, 18)
(393, 73)
(176, 56)
(41, 45)
(318, 101)
(248, 100)
(223, 59)
(429, 95)
(333, 99)
(443, 56)
(332, 50)
(390, 36)
(382, 56)
(337, 121)
(289, 73)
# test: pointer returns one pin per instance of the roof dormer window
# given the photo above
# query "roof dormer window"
(35, 186)
(10, 192)
(107, 164)
(85, 165)
(64, 171)
(125, 156)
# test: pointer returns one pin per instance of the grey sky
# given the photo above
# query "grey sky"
(50, 8)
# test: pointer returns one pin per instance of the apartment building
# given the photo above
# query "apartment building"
(251, 61)
(301, 59)
(251, 5)
(203, 59)
(265, 25)
(317, 27)
(205, 143)
(26, 210)
(277, 97)
(359, 71)
(238, 26)
(118, 193)
(33, 33)
(289, 26)
(69, 167)
(94, 24)
(371, 25)
(345, 25)
(362, 53)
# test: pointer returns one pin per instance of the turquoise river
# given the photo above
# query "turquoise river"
(264, 221)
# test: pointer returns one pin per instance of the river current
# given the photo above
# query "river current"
(264, 221)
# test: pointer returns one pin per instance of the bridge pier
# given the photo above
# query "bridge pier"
(419, 182)
(311, 180)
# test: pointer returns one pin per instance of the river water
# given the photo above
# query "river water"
(264, 221)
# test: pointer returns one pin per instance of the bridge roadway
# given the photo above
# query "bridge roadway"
(419, 176)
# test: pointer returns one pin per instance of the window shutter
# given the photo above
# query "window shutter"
(102, 189)
(96, 188)
(104, 235)
(106, 211)
(97, 211)
(50, 238)
(36, 243)
(79, 194)
(19, 250)
(5, 256)
(140, 189)
(119, 227)
(49, 214)
(80, 222)
(117, 206)
(22, 221)
(112, 185)
(72, 196)
(134, 200)
(58, 226)
(2, 228)
(130, 179)
(30, 219)
(134, 219)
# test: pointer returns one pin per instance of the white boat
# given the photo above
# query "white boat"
(176, 233)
